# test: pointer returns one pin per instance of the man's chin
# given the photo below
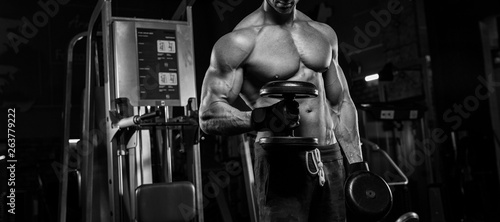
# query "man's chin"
(284, 10)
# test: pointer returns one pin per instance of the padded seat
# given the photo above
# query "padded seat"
(166, 202)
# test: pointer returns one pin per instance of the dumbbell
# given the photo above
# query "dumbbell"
(288, 90)
(368, 196)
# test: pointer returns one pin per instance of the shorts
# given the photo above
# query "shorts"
(288, 187)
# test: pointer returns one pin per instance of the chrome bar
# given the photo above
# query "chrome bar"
(246, 157)
(375, 147)
(87, 162)
(63, 190)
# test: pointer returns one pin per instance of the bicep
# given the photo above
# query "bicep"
(224, 78)
(335, 84)
(334, 79)
(221, 85)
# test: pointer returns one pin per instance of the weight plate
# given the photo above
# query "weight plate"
(306, 143)
(298, 89)
(368, 195)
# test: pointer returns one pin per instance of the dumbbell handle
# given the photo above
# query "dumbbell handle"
(358, 166)
(289, 96)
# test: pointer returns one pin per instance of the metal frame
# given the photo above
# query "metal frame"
(249, 178)
(121, 201)
(63, 186)
(389, 159)
(494, 99)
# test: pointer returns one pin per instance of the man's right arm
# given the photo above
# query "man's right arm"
(222, 85)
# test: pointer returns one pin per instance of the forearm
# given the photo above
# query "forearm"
(220, 118)
(346, 131)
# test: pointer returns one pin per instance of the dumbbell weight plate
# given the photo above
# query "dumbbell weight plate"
(284, 142)
(368, 196)
(276, 89)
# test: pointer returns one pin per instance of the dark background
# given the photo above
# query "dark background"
(33, 72)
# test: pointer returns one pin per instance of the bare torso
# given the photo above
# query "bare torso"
(301, 52)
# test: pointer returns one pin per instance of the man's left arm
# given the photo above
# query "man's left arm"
(343, 110)
(345, 118)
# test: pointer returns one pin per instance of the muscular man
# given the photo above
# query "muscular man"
(278, 42)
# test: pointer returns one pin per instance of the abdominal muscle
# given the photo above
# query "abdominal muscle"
(316, 121)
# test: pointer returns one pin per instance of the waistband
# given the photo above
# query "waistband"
(332, 147)
(332, 151)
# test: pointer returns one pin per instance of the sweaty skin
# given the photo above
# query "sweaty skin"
(278, 42)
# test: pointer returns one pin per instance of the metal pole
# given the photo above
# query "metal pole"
(63, 189)
(87, 176)
(168, 147)
(109, 96)
(246, 156)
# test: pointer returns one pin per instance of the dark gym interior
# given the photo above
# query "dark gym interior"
(438, 66)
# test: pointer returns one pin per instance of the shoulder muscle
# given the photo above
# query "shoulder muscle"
(231, 50)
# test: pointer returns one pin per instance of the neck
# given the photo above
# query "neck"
(276, 18)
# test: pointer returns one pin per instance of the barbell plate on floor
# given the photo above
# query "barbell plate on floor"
(277, 89)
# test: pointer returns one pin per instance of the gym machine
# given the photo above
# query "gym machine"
(139, 105)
